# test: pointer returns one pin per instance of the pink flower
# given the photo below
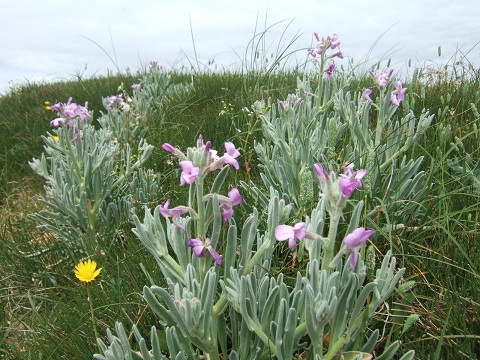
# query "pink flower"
(68, 113)
(354, 241)
(318, 50)
(189, 173)
(322, 174)
(338, 54)
(329, 71)
(115, 101)
(231, 154)
(333, 41)
(366, 95)
(398, 95)
(382, 77)
(57, 122)
(235, 196)
(350, 181)
(286, 232)
(199, 247)
(169, 148)
(175, 212)
(236, 199)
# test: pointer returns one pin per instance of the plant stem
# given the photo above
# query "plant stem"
(200, 209)
(256, 257)
(94, 322)
(380, 120)
(332, 234)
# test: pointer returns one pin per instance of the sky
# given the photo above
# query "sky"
(57, 40)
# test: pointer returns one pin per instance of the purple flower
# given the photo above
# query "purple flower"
(354, 241)
(333, 41)
(366, 95)
(235, 196)
(329, 71)
(286, 232)
(236, 199)
(199, 247)
(175, 212)
(382, 77)
(180, 226)
(136, 86)
(350, 181)
(189, 173)
(57, 122)
(208, 146)
(231, 154)
(78, 134)
(68, 113)
(169, 148)
(398, 95)
(115, 102)
(318, 50)
(324, 177)
(338, 54)
(227, 213)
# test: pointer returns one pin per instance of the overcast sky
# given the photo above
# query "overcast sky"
(56, 40)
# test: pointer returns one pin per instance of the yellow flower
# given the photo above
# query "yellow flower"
(85, 270)
(47, 105)
(56, 138)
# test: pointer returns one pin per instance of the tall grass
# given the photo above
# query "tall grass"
(46, 313)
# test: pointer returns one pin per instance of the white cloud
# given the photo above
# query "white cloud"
(49, 39)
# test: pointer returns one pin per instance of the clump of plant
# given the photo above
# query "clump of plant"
(96, 177)
(222, 300)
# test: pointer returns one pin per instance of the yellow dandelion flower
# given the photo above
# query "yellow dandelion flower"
(47, 105)
(86, 270)
(56, 138)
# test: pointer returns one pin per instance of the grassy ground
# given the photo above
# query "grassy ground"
(46, 312)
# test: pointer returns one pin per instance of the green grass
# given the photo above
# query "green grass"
(46, 312)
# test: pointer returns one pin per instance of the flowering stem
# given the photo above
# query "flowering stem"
(220, 305)
(214, 355)
(94, 322)
(335, 348)
(380, 119)
(200, 209)
(320, 91)
(332, 234)
(248, 267)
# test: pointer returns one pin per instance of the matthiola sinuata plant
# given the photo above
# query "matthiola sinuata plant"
(95, 176)
(87, 173)
(222, 299)
(331, 125)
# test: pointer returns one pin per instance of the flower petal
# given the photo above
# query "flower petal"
(284, 232)
(215, 255)
(353, 259)
(300, 231)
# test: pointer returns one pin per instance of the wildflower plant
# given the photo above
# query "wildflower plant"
(222, 299)
(86, 271)
(307, 127)
(88, 176)
(95, 177)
